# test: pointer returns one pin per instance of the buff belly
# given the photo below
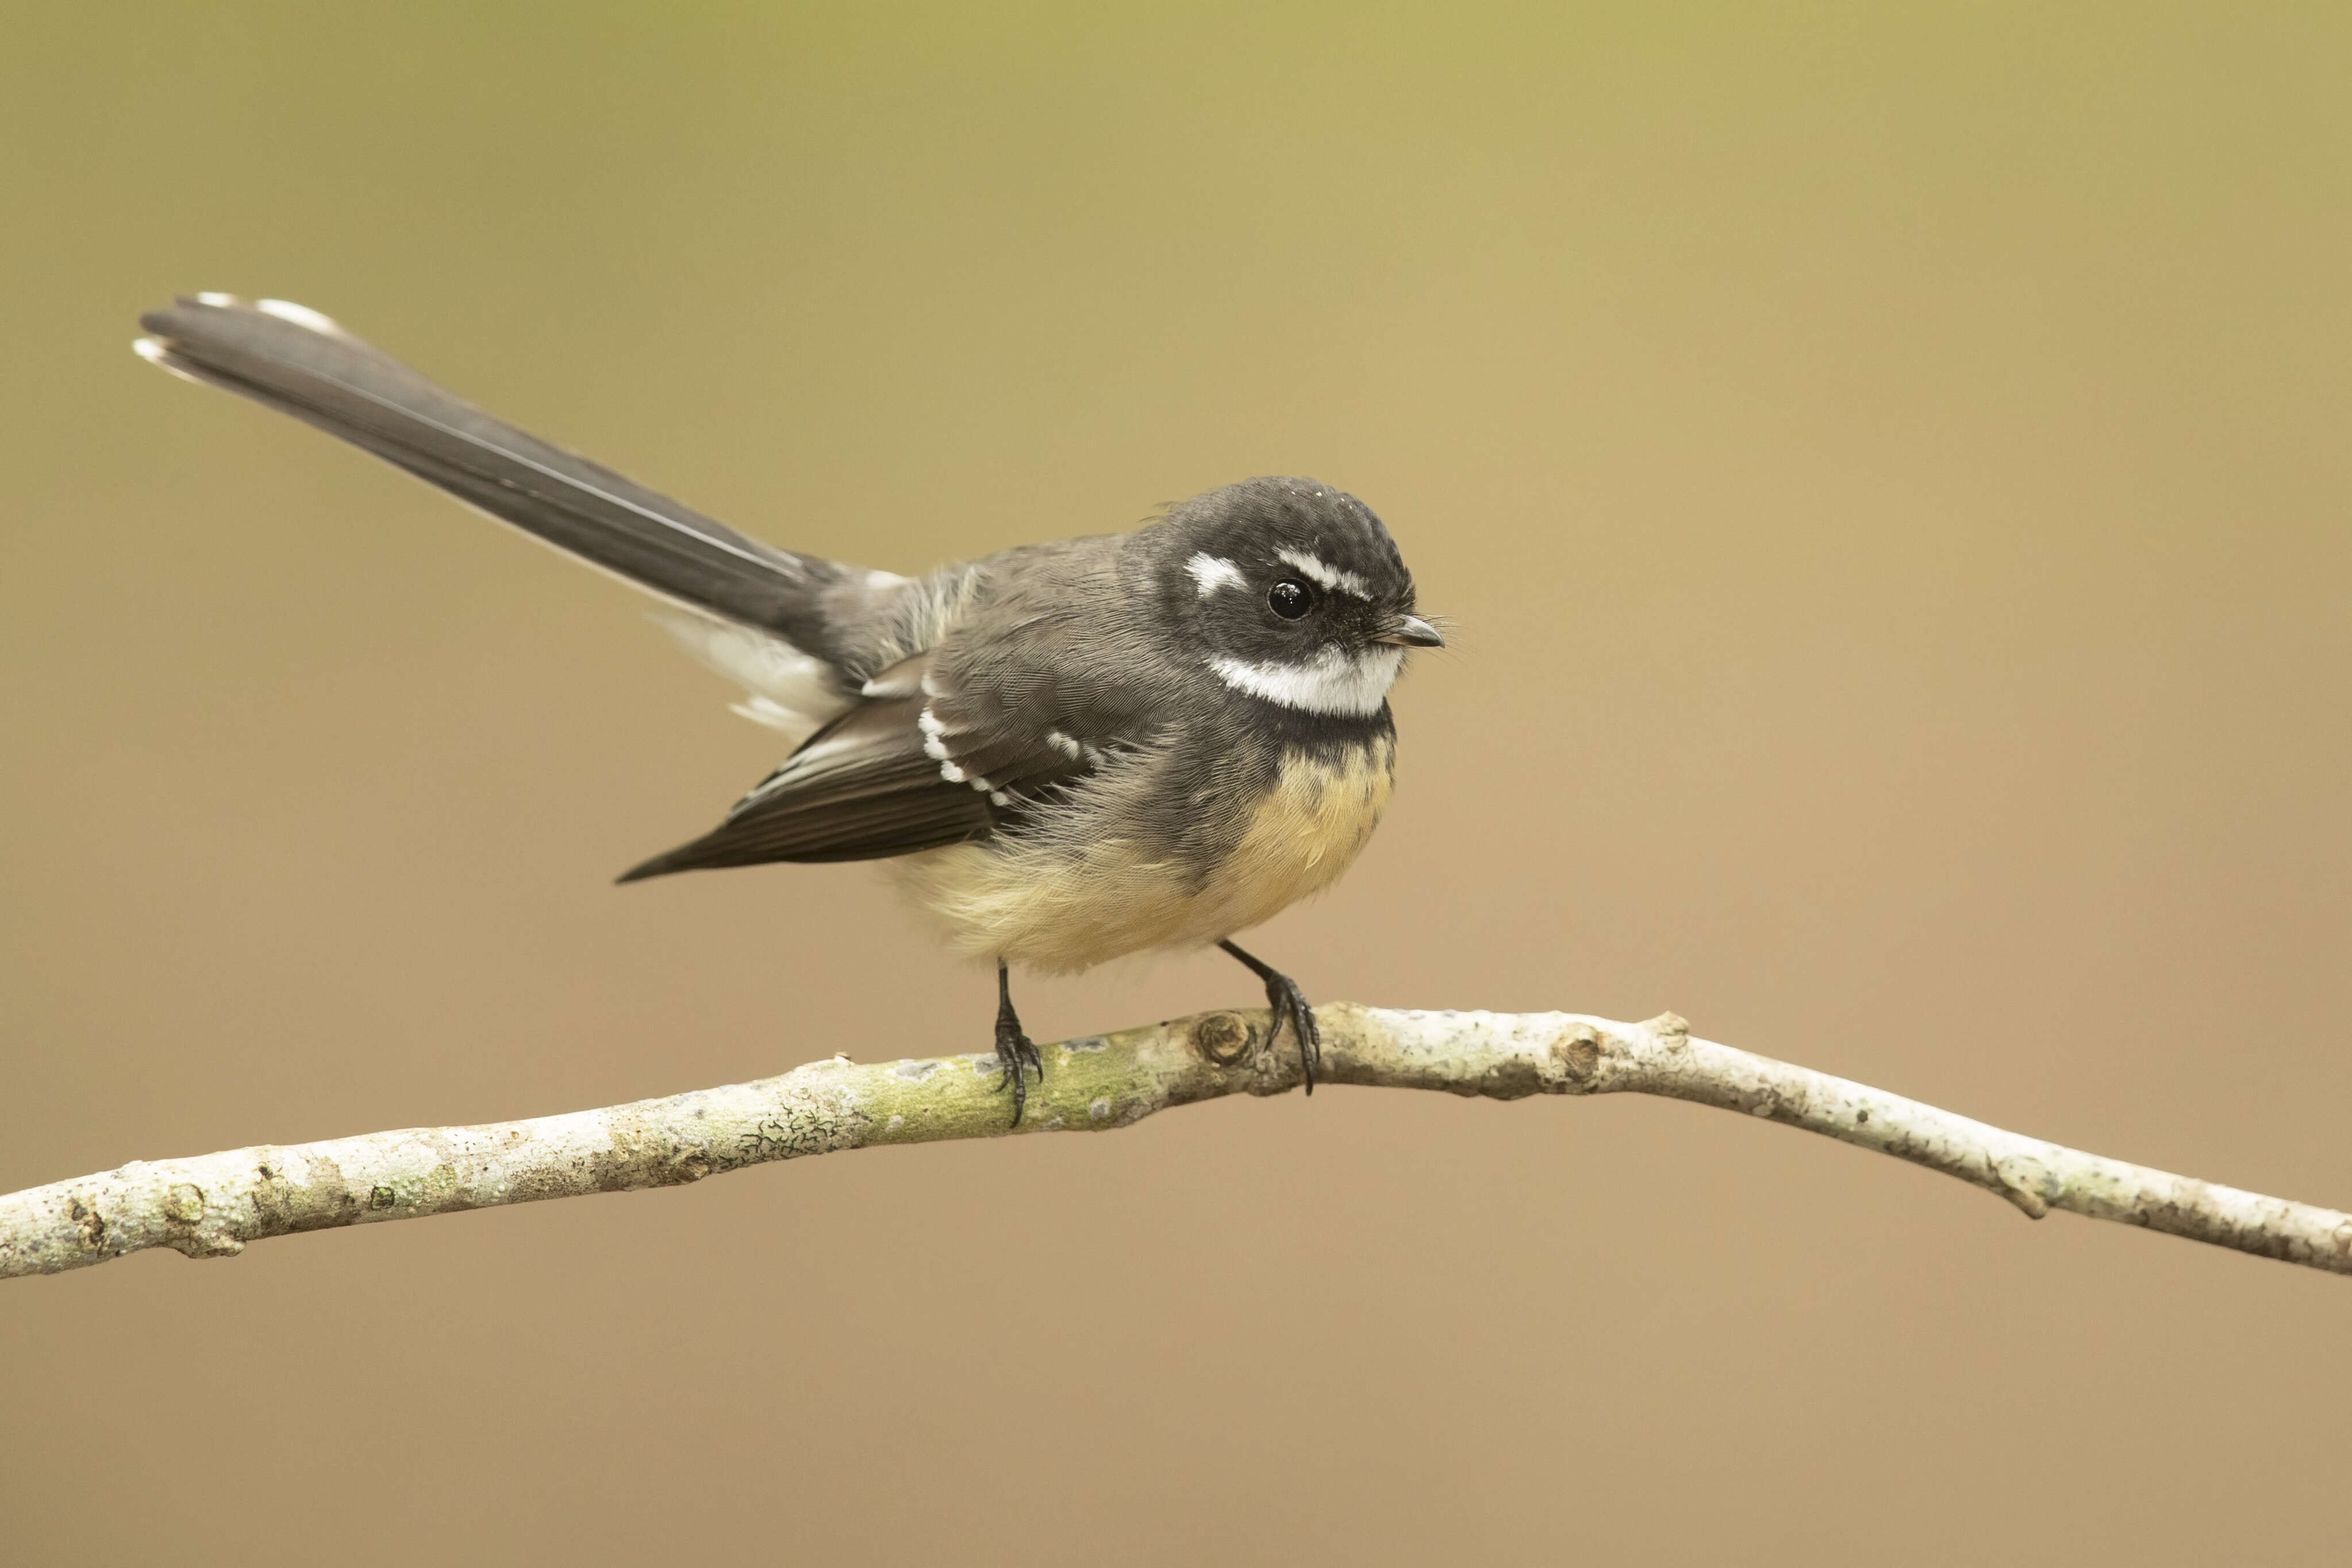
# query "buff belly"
(1059, 907)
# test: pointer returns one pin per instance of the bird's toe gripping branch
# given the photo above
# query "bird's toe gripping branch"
(1015, 1052)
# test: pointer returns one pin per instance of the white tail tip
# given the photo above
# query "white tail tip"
(301, 316)
(158, 355)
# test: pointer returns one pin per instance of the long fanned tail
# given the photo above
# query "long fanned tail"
(802, 634)
(301, 363)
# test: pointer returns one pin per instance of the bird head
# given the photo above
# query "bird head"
(1294, 593)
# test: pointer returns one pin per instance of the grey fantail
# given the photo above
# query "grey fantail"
(1067, 752)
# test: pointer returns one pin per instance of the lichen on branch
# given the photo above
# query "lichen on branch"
(210, 1206)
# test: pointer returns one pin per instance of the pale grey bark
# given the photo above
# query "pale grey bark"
(211, 1205)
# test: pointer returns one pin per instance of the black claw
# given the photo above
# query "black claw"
(1282, 994)
(1288, 1005)
(1015, 1052)
(1016, 1055)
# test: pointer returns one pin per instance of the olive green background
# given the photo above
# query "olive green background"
(1886, 468)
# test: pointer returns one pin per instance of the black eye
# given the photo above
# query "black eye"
(1290, 598)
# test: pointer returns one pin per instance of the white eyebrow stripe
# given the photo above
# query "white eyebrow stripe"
(1213, 573)
(1332, 682)
(1332, 577)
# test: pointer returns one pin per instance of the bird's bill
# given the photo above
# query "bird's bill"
(1409, 631)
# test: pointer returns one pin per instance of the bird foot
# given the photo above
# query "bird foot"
(1016, 1055)
(1290, 1005)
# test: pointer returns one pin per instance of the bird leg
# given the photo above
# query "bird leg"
(1289, 1004)
(1014, 1050)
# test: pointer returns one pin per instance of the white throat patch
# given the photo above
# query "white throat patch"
(1334, 681)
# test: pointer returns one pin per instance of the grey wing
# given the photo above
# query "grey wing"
(925, 762)
(290, 358)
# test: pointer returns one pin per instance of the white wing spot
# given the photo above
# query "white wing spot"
(1062, 743)
(936, 748)
(1334, 579)
(1213, 573)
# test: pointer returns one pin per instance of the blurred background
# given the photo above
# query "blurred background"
(1887, 475)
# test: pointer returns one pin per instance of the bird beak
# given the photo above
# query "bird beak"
(1409, 631)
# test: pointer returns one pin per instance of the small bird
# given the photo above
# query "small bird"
(1067, 752)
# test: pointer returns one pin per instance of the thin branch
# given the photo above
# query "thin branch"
(211, 1205)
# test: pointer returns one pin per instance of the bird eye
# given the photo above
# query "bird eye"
(1290, 598)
